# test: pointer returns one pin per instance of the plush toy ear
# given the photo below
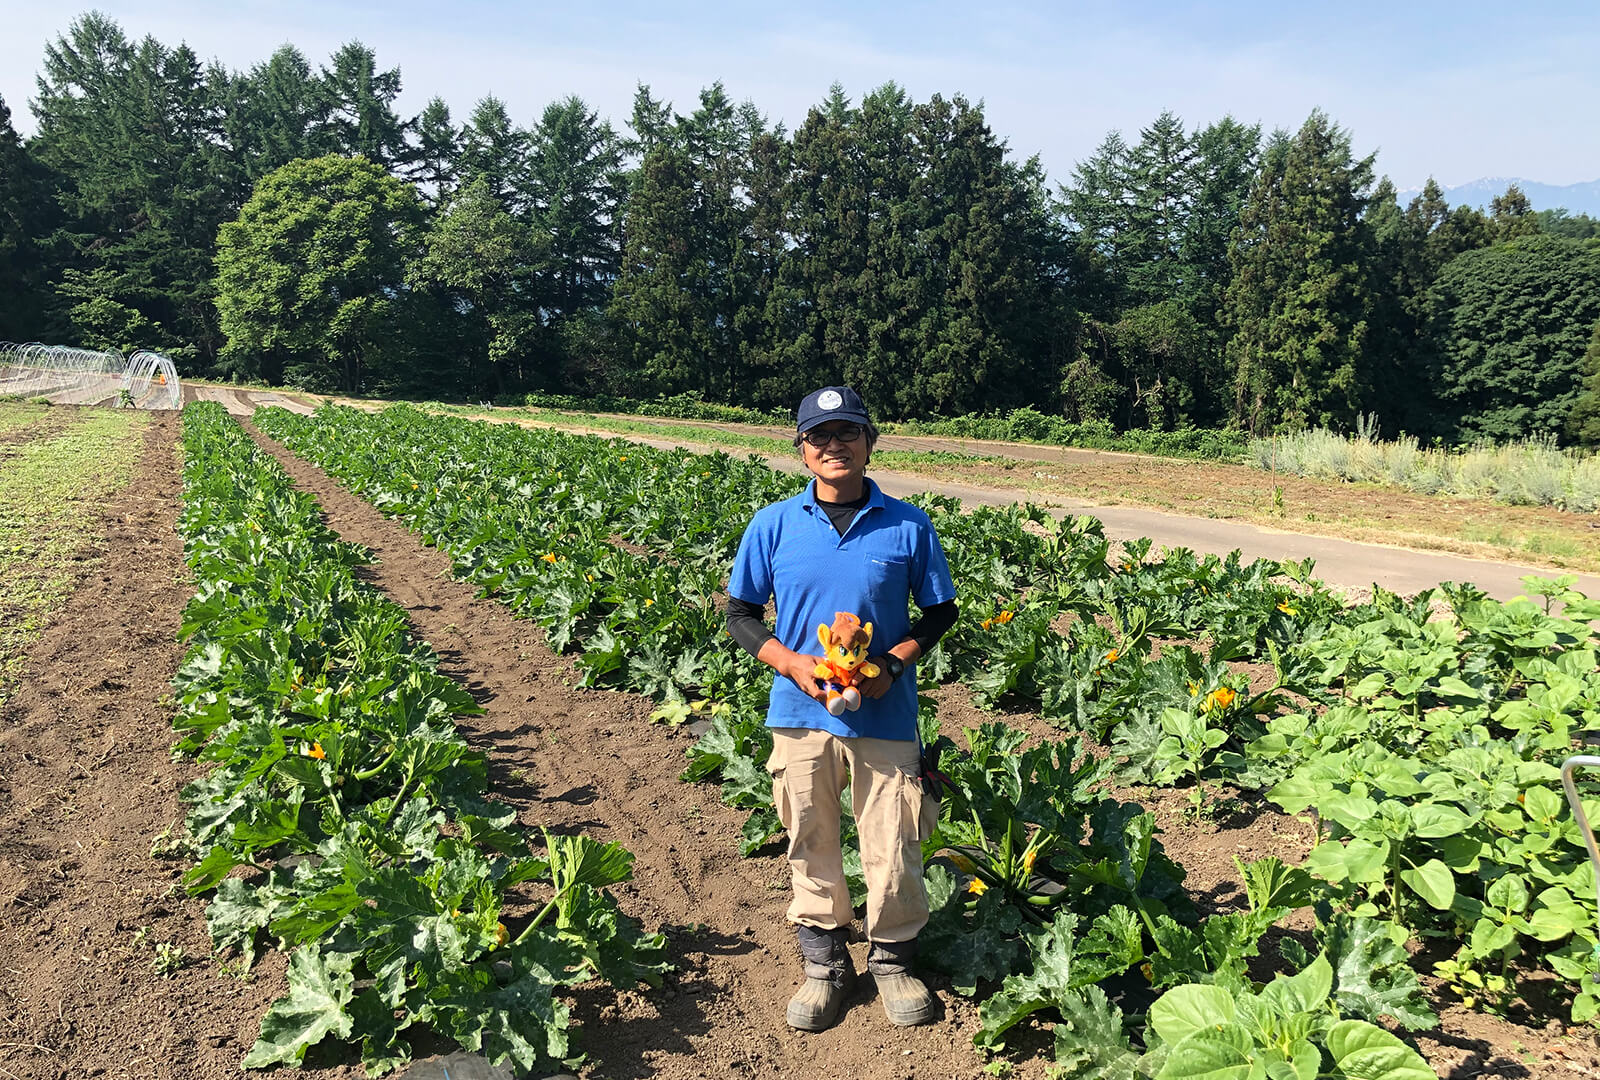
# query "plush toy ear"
(823, 635)
(867, 629)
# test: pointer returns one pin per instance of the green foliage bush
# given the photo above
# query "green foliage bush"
(1030, 425)
(690, 405)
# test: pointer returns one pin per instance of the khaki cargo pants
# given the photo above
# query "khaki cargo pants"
(809, 772)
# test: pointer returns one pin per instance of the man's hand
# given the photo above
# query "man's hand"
(798, 668)
(875, 687)
(802, 671)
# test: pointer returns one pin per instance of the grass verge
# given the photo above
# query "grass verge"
(16, 415)
(53, 491)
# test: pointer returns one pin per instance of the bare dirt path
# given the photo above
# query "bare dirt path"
(591, 760)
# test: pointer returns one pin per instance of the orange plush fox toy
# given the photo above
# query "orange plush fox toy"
(844, 652)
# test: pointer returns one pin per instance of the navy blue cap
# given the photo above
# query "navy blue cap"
(831, 403)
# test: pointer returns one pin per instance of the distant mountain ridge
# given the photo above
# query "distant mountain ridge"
(1583, 198)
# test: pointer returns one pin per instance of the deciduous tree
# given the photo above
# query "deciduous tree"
(311, 277)
(1510, 325)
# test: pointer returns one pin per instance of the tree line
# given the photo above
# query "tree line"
(287, 224)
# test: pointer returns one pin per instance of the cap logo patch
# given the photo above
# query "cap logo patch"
(830, 400)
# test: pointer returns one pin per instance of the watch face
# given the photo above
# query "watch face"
(896, 666)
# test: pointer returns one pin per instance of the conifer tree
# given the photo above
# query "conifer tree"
(494, 150)
(273, 114)
(1513, 215)
(130, 129)
(1297, 302)
(26, 218)
(438, 148)
(659, 324)
(360, 119)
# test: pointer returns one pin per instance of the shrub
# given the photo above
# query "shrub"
(1400, 459)
(1583, 486)
(1530, 472)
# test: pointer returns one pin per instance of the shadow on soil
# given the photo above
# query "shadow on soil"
(624, 1033)
(1482, 1059)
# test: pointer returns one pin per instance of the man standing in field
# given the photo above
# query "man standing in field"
(843, 546)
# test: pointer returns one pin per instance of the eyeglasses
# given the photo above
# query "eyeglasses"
(845, 433)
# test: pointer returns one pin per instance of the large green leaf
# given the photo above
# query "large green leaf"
(1045, 986)
(1432, 881)
(382, 1048)
(519, 1021)
(1361, 860)
(1115, 943)
(1372, 976)
(1090, 1044)
(612, 942)
(582, 860)
(403, 928)
(1186, 1009)
(1218, 1051)
(1361, 1051)
(1304, 992)
(971, 947)
(1435, 820)
(320, 986)
(239, 911)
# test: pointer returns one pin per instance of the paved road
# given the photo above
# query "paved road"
(1343, 563)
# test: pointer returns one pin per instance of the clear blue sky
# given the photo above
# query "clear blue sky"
(1458, 91)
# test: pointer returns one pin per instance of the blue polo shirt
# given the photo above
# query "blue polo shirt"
(889, 555)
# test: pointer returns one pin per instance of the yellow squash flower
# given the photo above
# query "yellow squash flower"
(315, 751)
(548, 556)
(1220, 698)
(1286, 609)
(976, 887)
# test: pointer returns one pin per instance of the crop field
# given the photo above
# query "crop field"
(462, 759)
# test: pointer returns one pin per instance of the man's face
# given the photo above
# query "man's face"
(836, 460)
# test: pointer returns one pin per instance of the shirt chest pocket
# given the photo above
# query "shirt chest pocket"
(888, 578)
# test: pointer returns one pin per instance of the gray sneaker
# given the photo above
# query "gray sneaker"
(906, 1001)
(829, 977)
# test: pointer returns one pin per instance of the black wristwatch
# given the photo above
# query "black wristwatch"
(894, 666)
